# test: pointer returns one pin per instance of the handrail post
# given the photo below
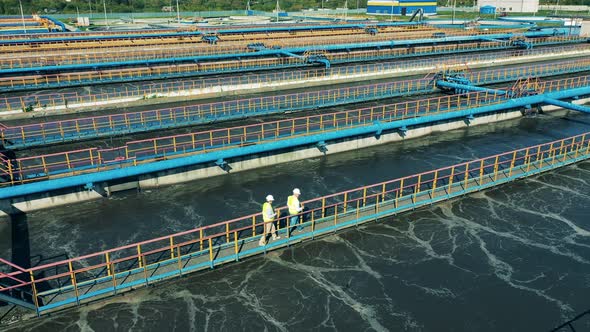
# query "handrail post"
(496, 165)
(227, 232)
(34, 288)
(211, 253)
(236, 247)
(139, 261)
(481, 170)
(312, 224)
(512, 164)
(171, 247)
(201, 238)
(417, 187)
(433, 190)
(74, 283)
(466, 181)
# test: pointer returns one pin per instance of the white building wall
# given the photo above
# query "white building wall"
(519, 6)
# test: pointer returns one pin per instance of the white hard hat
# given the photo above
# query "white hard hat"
(270, 198)
(296, 191)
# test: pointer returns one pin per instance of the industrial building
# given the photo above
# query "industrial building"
(518, 6)
(400, 7)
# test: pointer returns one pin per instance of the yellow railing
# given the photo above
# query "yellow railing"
(76, 99)
(92, 160)
(123, 54)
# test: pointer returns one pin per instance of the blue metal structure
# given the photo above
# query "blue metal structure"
(400, 7)
(571, 106)
(290, 51)
(274, 146)
(487, 10)
(44, 133)
(82, 36)
(462, 85)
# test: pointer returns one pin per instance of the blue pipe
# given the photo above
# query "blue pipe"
(56, 22)
(465, 87)
(492, 39)
(154, 167)
(289, 54)
(571, 106)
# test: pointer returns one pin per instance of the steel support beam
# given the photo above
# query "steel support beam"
(571, 106)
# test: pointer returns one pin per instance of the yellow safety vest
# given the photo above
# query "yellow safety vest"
(267, 212)
(293, 204)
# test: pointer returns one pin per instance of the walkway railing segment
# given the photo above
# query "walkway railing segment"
(97, 275)
(184, 39)
(29, 169)
(74, 129)
(98, 126)
(222, 53)
(206, 68)
(162, 37)
(24, 60)
(210, 85)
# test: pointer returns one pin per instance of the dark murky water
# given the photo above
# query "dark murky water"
(515, 258)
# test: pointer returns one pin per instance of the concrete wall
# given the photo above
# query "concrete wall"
(581, 9)
(73, 195)
(520, 6)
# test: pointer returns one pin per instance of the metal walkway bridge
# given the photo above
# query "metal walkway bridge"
(62, 100)
(311, 58)
(159, 34)
(44, 133)
(103, 274)
(42, 173)
(197, 39)
(23, 65)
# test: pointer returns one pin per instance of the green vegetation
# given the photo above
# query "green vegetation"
(11, 7)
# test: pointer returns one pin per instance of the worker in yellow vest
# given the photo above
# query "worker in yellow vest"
(295, 209)
(268, 216)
